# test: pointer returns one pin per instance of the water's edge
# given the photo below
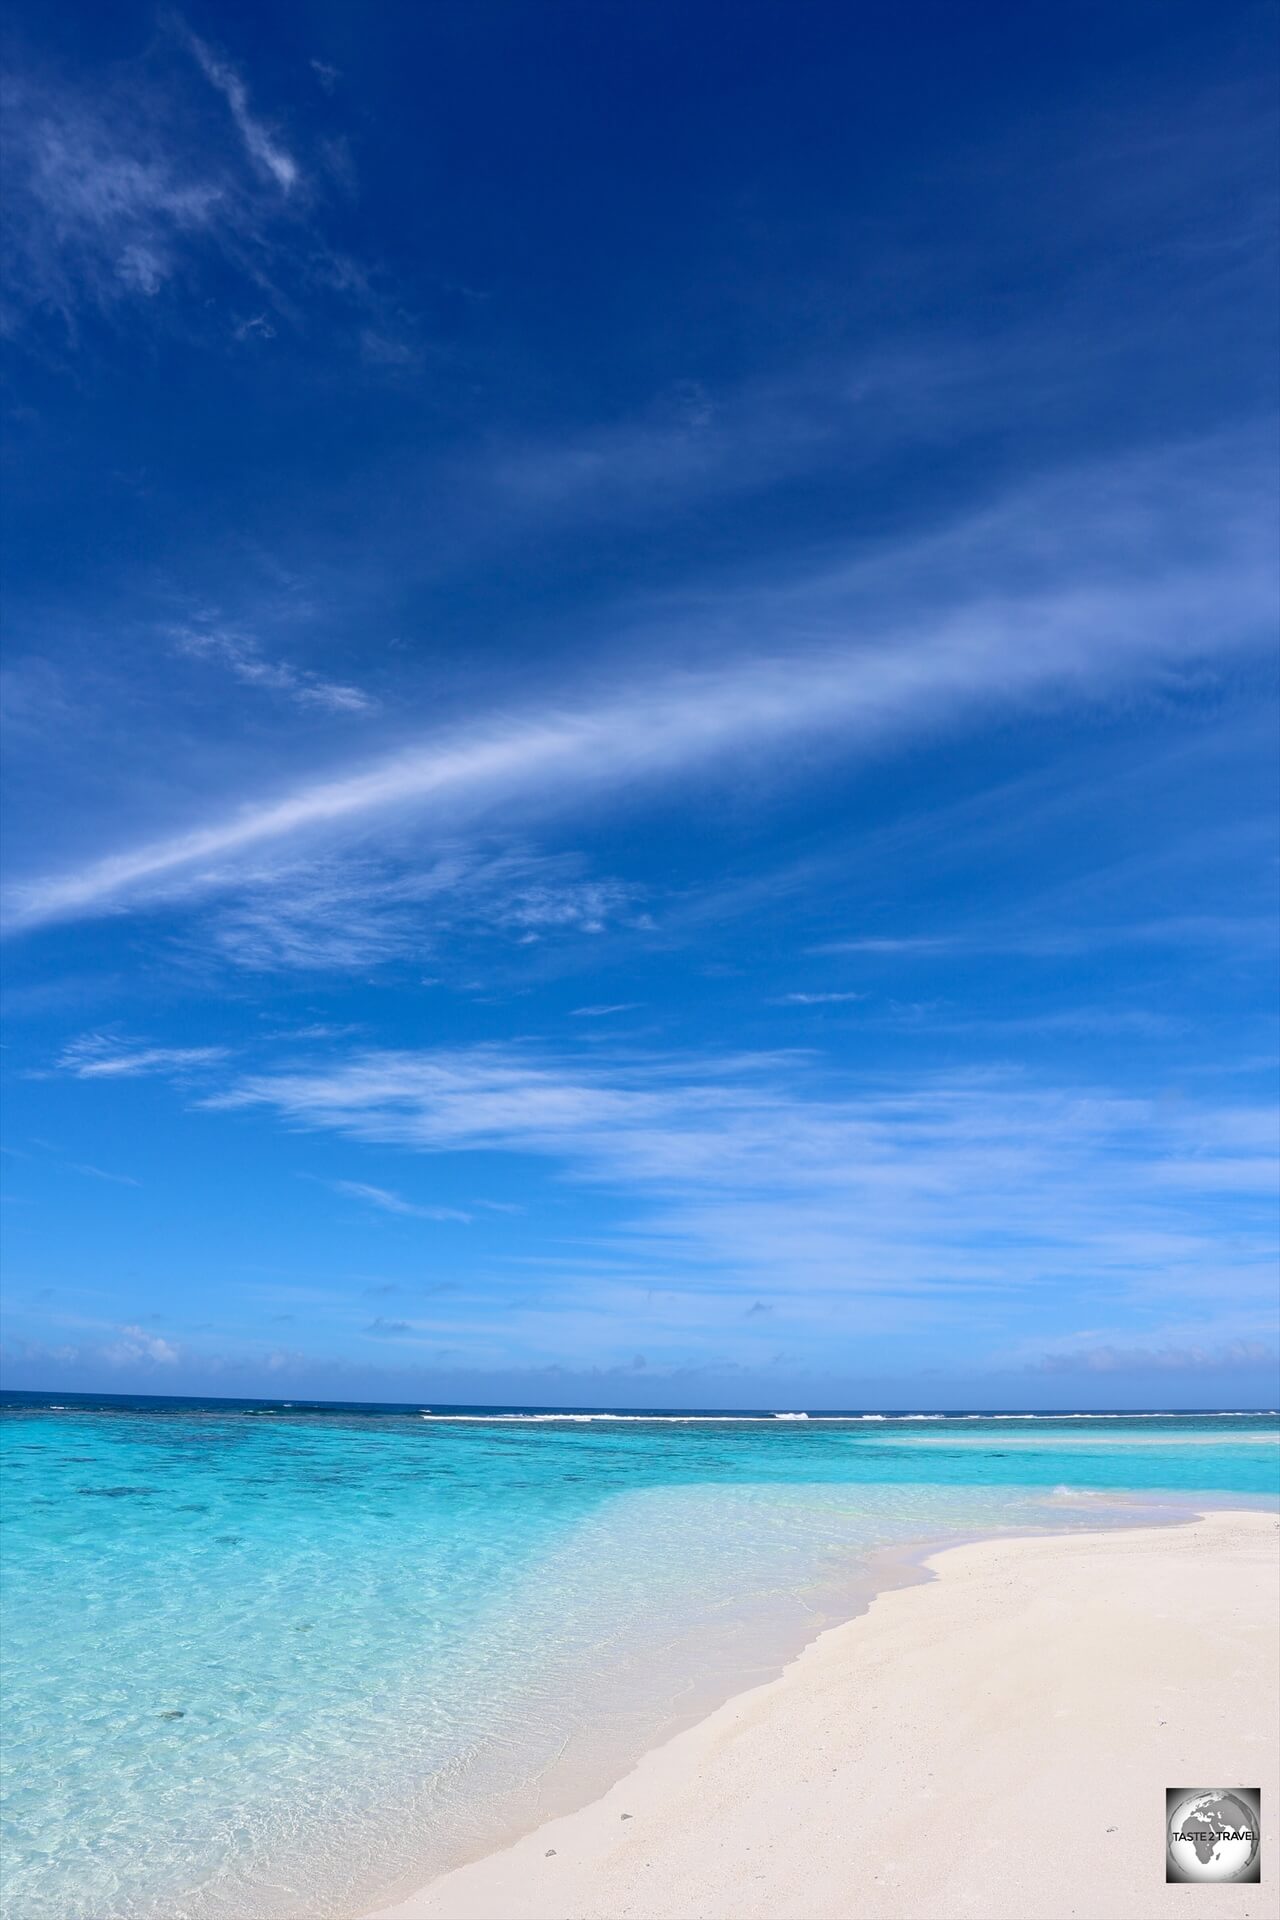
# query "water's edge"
(573, 1781)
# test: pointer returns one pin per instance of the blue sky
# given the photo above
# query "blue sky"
(640, 701)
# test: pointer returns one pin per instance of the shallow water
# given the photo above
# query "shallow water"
(272, 1662)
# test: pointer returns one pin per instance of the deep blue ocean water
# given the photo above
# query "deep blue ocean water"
(272, 1661)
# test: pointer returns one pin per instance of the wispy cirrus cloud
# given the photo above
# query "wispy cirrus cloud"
(893, 944)
(836, 997)
(363, 911)
(1050, 942)
(1109, 601)
(100, 1173)
(968, 1188)
(264, 148)
(142, 187)
(112, 194)
(107, 1056)
(102, 207)
(388, 1202)
(244, 658)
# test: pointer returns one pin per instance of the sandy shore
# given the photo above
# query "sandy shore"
(995, 1742)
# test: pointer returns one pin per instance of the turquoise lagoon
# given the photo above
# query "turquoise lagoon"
(275, 1662)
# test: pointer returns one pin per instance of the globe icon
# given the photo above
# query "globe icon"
(1213, 1836)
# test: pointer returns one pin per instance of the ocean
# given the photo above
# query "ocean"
(278, 1661)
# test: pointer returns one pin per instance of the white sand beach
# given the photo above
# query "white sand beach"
(995, 1742)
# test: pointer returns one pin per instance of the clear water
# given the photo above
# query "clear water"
(274, 1663)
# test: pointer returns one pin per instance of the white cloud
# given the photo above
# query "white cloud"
(733, 1168)
(909, 943)
(263, 148)
(361, 912)
(105, 1056)
(819, 999)
(136, 1346)
(390, 1202)
(1078, 591)
(99, 1173)
(1050, 942)
(244, 658)
(98, 206)
(137, 186)
(256, 327)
